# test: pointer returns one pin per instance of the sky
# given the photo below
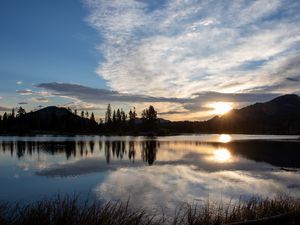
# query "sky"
(191, 59)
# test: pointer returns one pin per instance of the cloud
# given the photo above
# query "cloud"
(177, 48)
(90, 94)
(25, 92)
(82, 106)
(19, 82)
(3, 108)
(23, 103)
(40, 99)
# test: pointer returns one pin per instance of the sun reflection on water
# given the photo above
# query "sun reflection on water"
(224, 138)
(222, 155)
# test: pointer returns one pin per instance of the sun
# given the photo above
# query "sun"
(220, 108)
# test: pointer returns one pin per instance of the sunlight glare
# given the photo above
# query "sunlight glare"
(224, 138)
(220, 108)
(222, 155)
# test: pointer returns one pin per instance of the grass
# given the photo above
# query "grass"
(69, 210)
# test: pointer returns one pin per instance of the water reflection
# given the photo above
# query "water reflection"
(149, 150)
(224, 138)
(151, 171)
(278, 153)
(222, 155)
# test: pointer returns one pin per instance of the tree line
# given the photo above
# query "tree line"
(55, 119)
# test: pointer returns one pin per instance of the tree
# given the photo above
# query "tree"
(92, 117)
(12, 116)
(75, 112)
(123, 116)
(108, 114)
(87, 114)
(114, 117)
(118, 116)
(82, 114)
(149, 117)
(152, 114)
(21, 112)
(4, 121)
(132, 115)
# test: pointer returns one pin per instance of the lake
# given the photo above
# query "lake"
(157, 172)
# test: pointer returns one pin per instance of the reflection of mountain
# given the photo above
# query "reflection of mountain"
(280, 115)
(277, 153)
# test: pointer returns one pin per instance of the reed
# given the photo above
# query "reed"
(69, 210)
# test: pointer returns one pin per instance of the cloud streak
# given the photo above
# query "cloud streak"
(87, 98)
(177, 48)
(89, 94)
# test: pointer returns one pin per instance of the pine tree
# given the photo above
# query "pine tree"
(21, 112)
(123, 116)
(92, 117)
(114, 117)
(108, 114)
(118, 116)
(12, 116)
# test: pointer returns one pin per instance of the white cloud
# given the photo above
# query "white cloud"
(40, 99)
(25, 92)
(181, 47)
(19, 82)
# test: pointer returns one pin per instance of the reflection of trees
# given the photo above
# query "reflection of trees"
(107, 151)
(149, 150)
(131, 151)
(22, 148)
(112, 149)
(117, 148)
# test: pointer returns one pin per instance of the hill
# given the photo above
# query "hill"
(278, 116)
(50, 120)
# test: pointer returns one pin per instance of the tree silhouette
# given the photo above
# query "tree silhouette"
(92, 117)
(108, 115)
(21, 112)
(12, 116)
(149, 117)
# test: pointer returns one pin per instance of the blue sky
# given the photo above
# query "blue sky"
(180, 56)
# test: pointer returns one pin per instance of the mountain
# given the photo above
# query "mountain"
(278, 116)
(51, 119)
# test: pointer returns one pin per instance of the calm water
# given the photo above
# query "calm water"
(152, 172)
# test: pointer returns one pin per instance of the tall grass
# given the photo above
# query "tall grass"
(68, 210)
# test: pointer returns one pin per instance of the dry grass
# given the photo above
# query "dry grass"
(69, 210)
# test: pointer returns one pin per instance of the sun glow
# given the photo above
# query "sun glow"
(222, 155)
(221, 108)
(224, 138)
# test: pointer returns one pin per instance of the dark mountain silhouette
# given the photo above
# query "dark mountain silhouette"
(51, 119)
(278, 116)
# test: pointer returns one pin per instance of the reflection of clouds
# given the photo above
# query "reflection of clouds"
(40, 165)
(84, 166)
(168, 185)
